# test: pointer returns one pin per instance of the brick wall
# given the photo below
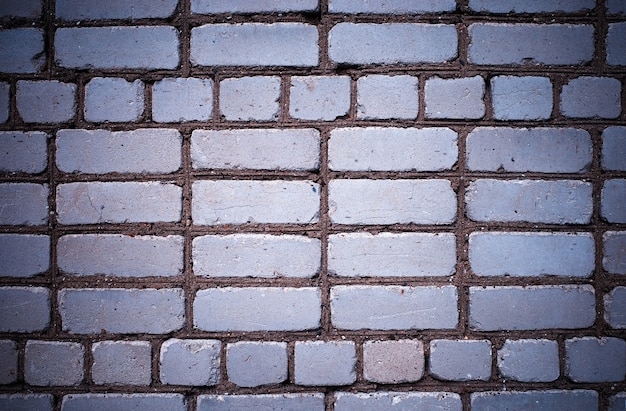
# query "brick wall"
(343, 205)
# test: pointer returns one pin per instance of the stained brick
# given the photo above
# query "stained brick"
(319, 97)
(112, 401)
(455, 98)
(529, 360)
(590, 359)
(250, 98)
(182, 99)
(190, 362)
(460, 360)
(121, 362)
(50, 363)
(25, 152)
(252, 363)
(113, 99)
(521, 98)
(285, 402)
(8, 362)
(386, 97)
(613, 195)
(46, 101)
(591, 97)
(614, 260)
(113, 9)
(557, 400)
(24, 255)
(615, 307)
(24, 204)
(324, 363)
(614, 148)
(24, 309)
(21, 50)
(382, 400)
(393, 362)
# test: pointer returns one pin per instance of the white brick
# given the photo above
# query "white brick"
(455, 98)
(23, 204)
(250, 98)
(25, 152)
(24, 255)
(46, 101)
(182, 99)
(386, 97)
(113, 99)
(319, 97)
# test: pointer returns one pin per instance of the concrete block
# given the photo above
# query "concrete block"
(8, 362)
(53, 363)
(614, 148)
(321, 363)
(614, 260)
(283, 402)
(190, 362)
(322, 98)
(113, 401)
(613, 194)
(529, 360)
(387, 97)
(615, 308)
(24, 255)
(182, 99)
(557, 400)
(255, 363)
(393, 362)
(24, 204)
(113, 99)
(24, 309)
(23, 152)
(21, 50)
(591, 97)
(455, 98)
(460, 360)
(46, 101)
(250, 98)
(589, 359)
(521, 98)
(114, 9)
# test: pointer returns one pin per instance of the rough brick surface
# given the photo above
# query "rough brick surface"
(23, 152)
(385, 97)
(382, 400)
(24, 8)
(558, 400)
(614, 148)
(113, 401)
(590, 359)
(390, 6)
(286, 402)
(46, 101)
(616, 7)
(462, 360)
(5, 88)
(113, 99)
(49, 363)
(467, 102)
(116, 9)
(24, 309)
(521, 98)
(24, 204)
(21, 50)
(8, 362)
(529, 6)
(24, 255)
(392, 362)
(26, 402)
(190, 362)
(121, 362)
(615, 307)
(617, 402)
(250, 364)
(182, 99)
(325, 363)
(591, 97)
(614, 260)
(245, 6)
(529, 360)
(615, 44)
(319, 97)
(613, 195)
(250, 98)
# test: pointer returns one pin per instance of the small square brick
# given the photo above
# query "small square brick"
(190, 362)
(113, 100)
(521, 98)
(529, 360)
(254, 363)
(319, 97)
(182, 99)
(393, 362)
(387, 97)
(121, 362)
(51, 363)
(250, 98)
(321, 363)
(455, 98)
(46, 101)
(460, 360)
(590, 359)
(8, 362)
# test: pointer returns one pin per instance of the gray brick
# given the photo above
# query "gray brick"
(530, 6)
(381, 400)
(391, 201)
(118, 202)
(23, 8)
(614, 260)
(23, 152)
(21, 50)
(250, 98)
(283, 402)
(613, 195)
(319, 97)
(5, 88)
(392, 149)
(616, 7)
(121, 311)
(591, 97)
(590, 359)
(324, 363)
(114, 9)
(616, 51)
(259, 149)
(391, 254)
(555, 400)
(254, 363)
(537, 201)
(247, 6)
(121, 362)
(24, 255)
(460, 360)
(120, 255)
(547, 150)
(614, 148)
(390, 6)
(392, 43)
(26, 402)
(24, 309)
(50, 363)
(46, 101)
(496, 43)
(8, 362)
(190, 362)
(116, 47)
(615, 307)
(182, 99)
(521, 98)
(393, 362)
(240, 202)
(532, 254)
(386, 97)
(239, 255)
(529, 360)
(257, 44)
(152, 402)
(24, 204)
(113, 99)
(257, 309)
(524, 308)
(103, 151)
(356, 307)
(617, 402)
(455, 98)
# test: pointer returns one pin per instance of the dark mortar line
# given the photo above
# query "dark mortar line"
(186, 220)
(324, 224)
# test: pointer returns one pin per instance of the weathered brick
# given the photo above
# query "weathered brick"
(460, 360)
(615, 307)
(239, 255)
(591, 97)
(118, 202)
(616, 7)
(24, 309)
(319, 97)
(614, 260)
(21, 50)
(117, 47)
(23, 152)
(26, 402)
(121, 311)
(8, 362)
(46, 101)
(613, 195)
(5, 89)
(113, 9)
(386, 97)
(24, 255)
(254, 363)
(614, 148)
(455, 98)
(49, 363)
(532, 254)
(590, 359)
(616, 51)
(617, 402)
(182, 99)
(393, 362)
(239, 202)
(260, 149)
(537, 201)
(23, 8)
(110, 401)
(556, 400)
(392, 149)
(250, 98)
(529, 360)
(113, 99)
(381, 400)
(519, 43)
(390, 6)
(524, 308)
(355, 307)
(121, 362)
(257, 44)
(530, 6)
(521, 98)
(547, 150)
(257, 309)
(391, 254)
(190, 362)
(324, 363)
(103, 151)
(24, 204)
(257, 6)
(283, 402)
(392, 43)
